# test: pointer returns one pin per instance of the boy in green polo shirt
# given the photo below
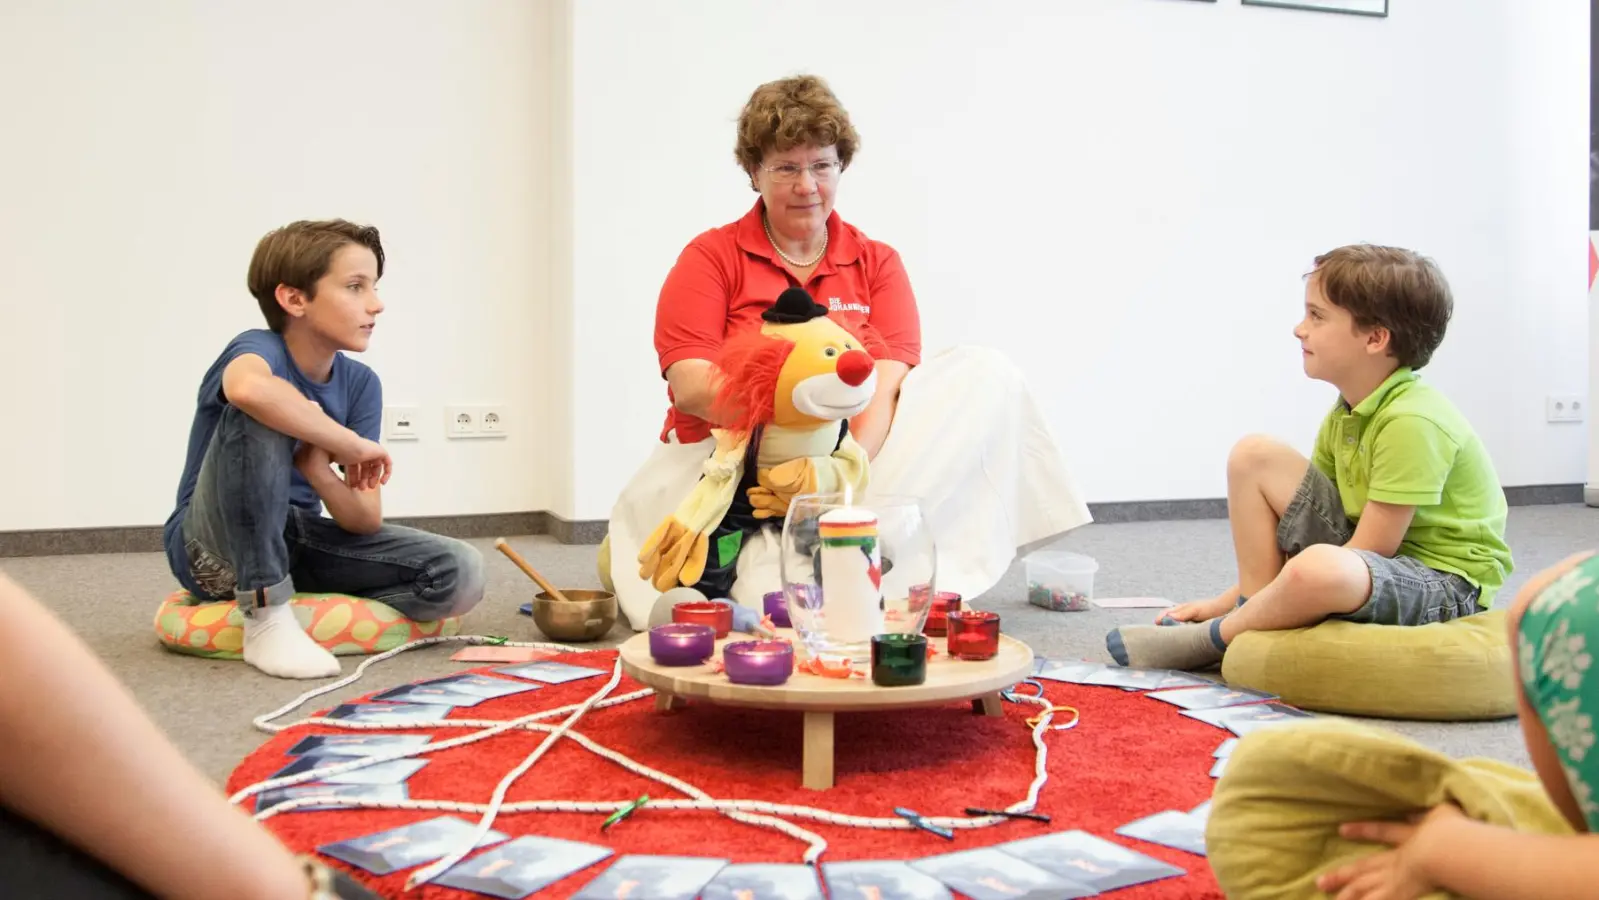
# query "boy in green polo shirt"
(1398, 519)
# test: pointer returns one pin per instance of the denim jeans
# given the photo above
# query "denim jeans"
(245, 540)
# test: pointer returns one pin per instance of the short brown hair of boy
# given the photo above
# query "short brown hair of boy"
(1391, 287)
(793, 112)
(297, 255)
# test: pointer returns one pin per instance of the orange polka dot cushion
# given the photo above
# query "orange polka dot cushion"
(345, 625)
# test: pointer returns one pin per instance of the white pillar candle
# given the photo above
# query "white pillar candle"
(851, 574)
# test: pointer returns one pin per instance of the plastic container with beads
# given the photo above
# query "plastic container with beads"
(1061, 581)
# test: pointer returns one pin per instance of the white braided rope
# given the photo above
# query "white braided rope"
(753, 812)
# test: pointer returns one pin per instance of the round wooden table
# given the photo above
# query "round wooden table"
(818, 698)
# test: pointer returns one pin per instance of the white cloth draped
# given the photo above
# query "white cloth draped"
(968, 441)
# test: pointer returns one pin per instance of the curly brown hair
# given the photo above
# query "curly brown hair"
(1391, 287)
(298, 255)
(793, 112)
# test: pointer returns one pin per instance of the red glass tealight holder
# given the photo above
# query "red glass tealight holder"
(703, 612)
(973, 634)
(937, 612)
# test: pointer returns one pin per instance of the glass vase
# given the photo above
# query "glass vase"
(854, 570)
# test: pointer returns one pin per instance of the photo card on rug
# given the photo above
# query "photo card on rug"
(881, 879)
(649, 877)
(428, 694)
(1213, 696)
(492, 654)
(409, 845)
(482, 685)
(356, 744)
(332, 794)
(1143, 679)
(1242, 720)
(390, 713)
(990, 874)
(1069, 671)
(1172, 828)
(550, 672)
(765, 881)
(518, 868)
(394, 771)
(1132, 602)
(1083, 858)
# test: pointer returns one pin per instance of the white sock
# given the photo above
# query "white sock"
(275, 643)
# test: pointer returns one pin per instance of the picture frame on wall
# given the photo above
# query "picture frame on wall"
(1378, 8)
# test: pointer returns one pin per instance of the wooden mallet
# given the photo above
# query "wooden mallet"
(532, 573)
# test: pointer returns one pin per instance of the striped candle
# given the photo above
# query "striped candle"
(852, 574)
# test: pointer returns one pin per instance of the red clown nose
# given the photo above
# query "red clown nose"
(854, 367)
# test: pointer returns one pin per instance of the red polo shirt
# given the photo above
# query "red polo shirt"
(725, 278)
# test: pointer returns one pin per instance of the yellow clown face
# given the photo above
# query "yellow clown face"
(826, 378)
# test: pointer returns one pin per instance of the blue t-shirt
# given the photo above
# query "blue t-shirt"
(352, 396)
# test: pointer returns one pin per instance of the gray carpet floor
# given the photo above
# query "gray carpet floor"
(207, 706)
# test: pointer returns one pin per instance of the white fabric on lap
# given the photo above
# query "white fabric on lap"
(968, 441)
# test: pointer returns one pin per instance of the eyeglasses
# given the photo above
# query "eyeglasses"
(825, 170)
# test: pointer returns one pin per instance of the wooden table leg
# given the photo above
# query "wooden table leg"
(988, 705)
(818, 750)
(665, 702)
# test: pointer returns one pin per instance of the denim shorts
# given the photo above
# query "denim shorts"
(1404, 591)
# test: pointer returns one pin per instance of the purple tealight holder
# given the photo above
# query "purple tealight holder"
(777, 608)
(682, 644)
(758, 662)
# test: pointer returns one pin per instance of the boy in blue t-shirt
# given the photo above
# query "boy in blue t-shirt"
(276, 411)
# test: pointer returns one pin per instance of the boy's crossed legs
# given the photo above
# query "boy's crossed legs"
(1289, 535)
(247, 542)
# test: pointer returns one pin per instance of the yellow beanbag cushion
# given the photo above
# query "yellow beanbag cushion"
(345, 625)
(1273, 826)
(603, 564)
(1456, 671)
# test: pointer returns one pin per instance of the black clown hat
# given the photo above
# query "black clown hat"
(794, 306)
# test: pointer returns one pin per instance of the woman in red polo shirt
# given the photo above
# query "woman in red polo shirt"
(960, 431)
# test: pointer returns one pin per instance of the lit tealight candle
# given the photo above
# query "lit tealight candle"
(899, 659)
(705, 612)
(973, 634)
(682, 643)
(758, 662)
(776, 605)
(938, 606)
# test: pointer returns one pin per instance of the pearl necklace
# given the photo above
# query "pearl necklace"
(765, 223)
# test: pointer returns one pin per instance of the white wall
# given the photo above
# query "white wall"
(139, 169)
(1123, 195)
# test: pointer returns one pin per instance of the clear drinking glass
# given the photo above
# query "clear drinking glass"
(852, 569)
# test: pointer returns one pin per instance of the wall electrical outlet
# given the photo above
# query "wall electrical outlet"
(460, 421)
(475, 421)
(1565, 408)
(491, 420)
(399, 423)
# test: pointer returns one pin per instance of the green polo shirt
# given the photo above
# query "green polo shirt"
(1408, 445)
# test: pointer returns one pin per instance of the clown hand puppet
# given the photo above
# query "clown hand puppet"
(784, 396)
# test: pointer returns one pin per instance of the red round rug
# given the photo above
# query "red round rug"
(1129, 757)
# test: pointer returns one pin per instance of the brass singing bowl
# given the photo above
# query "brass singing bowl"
(584, 616)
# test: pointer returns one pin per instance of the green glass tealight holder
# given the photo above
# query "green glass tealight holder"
(899, 659)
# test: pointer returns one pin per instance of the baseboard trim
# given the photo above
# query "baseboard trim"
(147, 539)
(1157, 510)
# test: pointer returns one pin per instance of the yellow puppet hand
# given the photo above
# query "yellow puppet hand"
(778, 486)
(675, 553)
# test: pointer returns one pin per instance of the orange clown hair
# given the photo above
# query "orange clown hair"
(748, 367)
(747, 370)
